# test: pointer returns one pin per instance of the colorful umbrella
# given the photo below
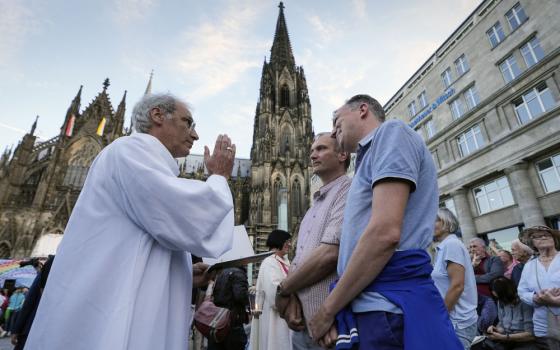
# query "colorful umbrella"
(10, 270)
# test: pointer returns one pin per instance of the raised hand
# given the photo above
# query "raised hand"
(221, 160)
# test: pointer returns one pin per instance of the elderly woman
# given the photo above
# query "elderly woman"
(454, 277)
(508, 261)
(269, 331)
(515, 326)
(540, 283)
(522, 253)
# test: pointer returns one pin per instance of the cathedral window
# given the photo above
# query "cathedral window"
(285, 141)
(284, 96)
(296, 198)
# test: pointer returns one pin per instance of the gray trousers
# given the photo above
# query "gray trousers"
(302, 341)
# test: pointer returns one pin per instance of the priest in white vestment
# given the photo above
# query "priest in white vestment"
(122, 277)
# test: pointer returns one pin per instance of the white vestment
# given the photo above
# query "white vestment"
(270, 331)
(122, 277)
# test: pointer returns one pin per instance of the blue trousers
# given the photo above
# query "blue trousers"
(379, 330)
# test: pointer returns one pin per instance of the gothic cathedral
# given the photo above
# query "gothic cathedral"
(282, 138)
(41, 181)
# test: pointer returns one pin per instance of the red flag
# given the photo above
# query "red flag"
(70, 125)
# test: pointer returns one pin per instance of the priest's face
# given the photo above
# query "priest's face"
(179, 131)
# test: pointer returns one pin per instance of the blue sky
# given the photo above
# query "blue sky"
(209, 53)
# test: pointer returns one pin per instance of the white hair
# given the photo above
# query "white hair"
(448, 220)
(478, 240)
(141, 119)
(522, 246)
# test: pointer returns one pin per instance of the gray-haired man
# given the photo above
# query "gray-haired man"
(122, 277)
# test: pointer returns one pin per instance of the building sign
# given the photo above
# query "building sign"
(431, 108)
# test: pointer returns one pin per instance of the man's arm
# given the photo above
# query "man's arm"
(495, 269)
(456, 274)
(374, 249)
(321, 263)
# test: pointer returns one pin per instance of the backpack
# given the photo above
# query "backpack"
(223, 290)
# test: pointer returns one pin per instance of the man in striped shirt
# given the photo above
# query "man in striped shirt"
(314, 266)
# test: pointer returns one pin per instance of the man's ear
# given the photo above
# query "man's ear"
(157, 116)
(364, 110)
(342, 156)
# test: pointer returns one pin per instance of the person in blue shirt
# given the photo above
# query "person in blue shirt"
(383, 267)
(454, 277)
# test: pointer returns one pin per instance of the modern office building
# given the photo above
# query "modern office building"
(487, 105)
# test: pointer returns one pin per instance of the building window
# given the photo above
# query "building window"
(549, 172)
(422, 100)
(412, 109)
(532, 52)
(510, 69)
(449, 204)
(493, 195)
(470, 141)
(516, 16)
(285, 96)
(471, 95)
(533, 103)
(446, 77)
(419, 131)
(461, 65)
(496, 34)
(430, 128)
(457, 108)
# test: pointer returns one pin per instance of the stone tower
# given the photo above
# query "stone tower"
(282, 137)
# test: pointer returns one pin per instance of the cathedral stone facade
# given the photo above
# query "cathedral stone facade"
(40, 180)
(282, 137)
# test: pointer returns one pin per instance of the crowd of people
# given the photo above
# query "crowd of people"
(361, 278)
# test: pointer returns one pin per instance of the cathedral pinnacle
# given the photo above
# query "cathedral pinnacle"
(149, 87)
(34, 126)
(281, 51)
(106, 84)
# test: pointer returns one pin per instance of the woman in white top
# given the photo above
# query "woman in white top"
(540, 282)
(269, 331)
(454, 277)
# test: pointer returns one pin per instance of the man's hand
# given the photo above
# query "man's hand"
(329, 339)
(321, 323)
(221, 160)
(476, 259)
(294, 314)
(201, 277)
(281, 304)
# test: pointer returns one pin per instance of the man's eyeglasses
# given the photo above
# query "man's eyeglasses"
(191, 125)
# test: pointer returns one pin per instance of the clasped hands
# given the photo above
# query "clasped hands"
(550, 296)
(289, 307)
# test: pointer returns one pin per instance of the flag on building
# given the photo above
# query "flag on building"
(101, 126)
(70, 125)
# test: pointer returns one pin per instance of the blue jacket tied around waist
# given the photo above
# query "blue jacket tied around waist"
(406, 282)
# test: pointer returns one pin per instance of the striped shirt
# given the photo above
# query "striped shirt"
(321, 224)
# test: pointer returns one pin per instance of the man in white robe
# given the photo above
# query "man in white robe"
(123, 276)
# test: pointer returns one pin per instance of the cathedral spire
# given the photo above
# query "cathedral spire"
(34, 126)
(149, 86)
(281, 51)
(106, 84)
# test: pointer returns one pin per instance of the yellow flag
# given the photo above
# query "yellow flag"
(101, 126)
